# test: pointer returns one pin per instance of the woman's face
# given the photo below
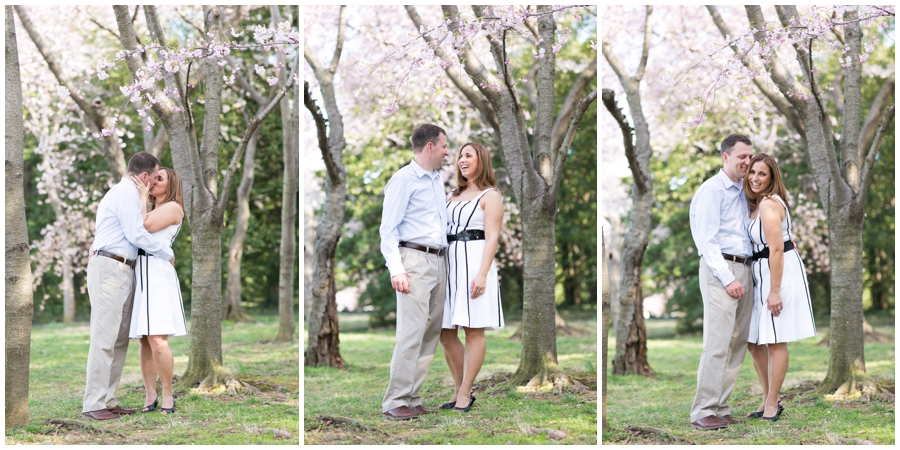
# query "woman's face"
(468, 162)
(760, 176)
(162, 184)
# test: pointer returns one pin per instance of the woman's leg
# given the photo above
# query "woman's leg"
(475, 348)
(162, 357)
(778, 365)
(760, 355)
(453, 354)
(148, 371)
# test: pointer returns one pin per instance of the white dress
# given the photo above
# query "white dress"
(796, 319)
(463, 264)
(158, 308)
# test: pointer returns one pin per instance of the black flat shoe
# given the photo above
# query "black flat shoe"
(448, 405)
(773, 418)
(755, 415)
(468, 407)
(150, 407)
(168, 410)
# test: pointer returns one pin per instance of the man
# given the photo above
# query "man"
(110, 279)
(719, 218)
(413, 241)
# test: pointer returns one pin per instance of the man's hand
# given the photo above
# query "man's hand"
(735, 289)
(400, 283)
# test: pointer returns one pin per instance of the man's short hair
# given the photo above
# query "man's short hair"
(732, 139)
(424, 134)
(142, 162)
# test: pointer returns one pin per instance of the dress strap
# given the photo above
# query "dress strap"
(484, 192)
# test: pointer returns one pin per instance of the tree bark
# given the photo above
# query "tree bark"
(842, 176)
(607, 300)
(631, 331)
(19, 297)
(288, 211)
(323, 344)
(233, 309)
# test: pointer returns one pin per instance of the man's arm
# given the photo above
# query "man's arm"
(396, 199)
(708, 226)
(128, 212)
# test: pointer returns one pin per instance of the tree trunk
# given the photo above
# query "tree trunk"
(233, 309)
(289, 129)
(323, 344)
(607, 299)
(19, 297)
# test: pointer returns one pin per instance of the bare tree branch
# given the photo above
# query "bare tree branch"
(563, 149)
(873, 150)
(645, 51)
(342, 25)
(570, 103)
(321, 131)
(609, 101)
(881, 100)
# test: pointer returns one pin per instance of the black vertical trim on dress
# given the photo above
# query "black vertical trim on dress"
(147, 290)
(772, 316)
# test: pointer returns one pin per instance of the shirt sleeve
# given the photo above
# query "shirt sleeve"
(129, 215)
(396, 199)
(708, 220)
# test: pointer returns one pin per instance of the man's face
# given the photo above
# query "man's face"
(438, 151)
(737, 162)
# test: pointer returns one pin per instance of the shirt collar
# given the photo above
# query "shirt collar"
(727, 183)
(420, 172)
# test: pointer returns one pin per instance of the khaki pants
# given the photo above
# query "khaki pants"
(111, 290)
(726, 326)
(419, 316)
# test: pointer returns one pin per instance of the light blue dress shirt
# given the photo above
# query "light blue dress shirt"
(414, 211)
(120, 227)
(719, 220)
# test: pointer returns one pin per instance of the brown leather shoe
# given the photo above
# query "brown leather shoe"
(120, 410)
(100, 414)
(400, 413)
(709, 423)
(731, 420)
(421, 410)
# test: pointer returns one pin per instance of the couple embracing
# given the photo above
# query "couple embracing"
(133, 287)
(440, 254)
(754, 288)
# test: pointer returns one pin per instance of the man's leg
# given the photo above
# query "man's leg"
(738, 342)
(108, 288)
(412, 321)
(718, 326)
(436, 277)
(121, 348)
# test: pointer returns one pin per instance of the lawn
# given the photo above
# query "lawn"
(664, 400)
(267, 415)
(501, 415)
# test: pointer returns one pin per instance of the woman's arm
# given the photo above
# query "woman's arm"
(492, 204)
(771, 214)
(168, 213)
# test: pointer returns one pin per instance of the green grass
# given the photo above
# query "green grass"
(498, 416)
(664, 400)
(57, 377)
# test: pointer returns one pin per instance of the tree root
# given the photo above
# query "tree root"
(349, 421)
(552, 434)
(851, 441)
(73, 424)
(218, 381)
(657, 431)
(278, 433)
(863, 389)
(550, 380)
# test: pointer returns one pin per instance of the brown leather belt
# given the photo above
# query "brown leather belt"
(737, 259)
(121, 259)
(422, 248)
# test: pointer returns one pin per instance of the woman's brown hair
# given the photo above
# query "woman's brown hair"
(775, 187)
(484, 175)
(174, 190)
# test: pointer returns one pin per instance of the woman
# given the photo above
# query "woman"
(472, 298)
(158, 311)
(782, 310)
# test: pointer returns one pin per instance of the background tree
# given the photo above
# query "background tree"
(19, 299)
(324, 345)
(605, 328)
(631, 332)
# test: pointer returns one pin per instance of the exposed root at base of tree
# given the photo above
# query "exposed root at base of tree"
(218, 381)
(657, 431)
(864, 390)
(75, 424)
(552, 434)
(851, 441)
(552, 379)
(275, 431)
(327, 420)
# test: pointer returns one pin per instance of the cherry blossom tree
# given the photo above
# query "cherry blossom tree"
(19, 298)
(631, 332)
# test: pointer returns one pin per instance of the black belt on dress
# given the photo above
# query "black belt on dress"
(141, 252)
(466, 235)
(121, 259)
(737, 259)
(764, 253)
(422, 248)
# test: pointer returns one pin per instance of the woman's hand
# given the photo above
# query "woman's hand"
(477, 286)
(773, 303)
(142, 188)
